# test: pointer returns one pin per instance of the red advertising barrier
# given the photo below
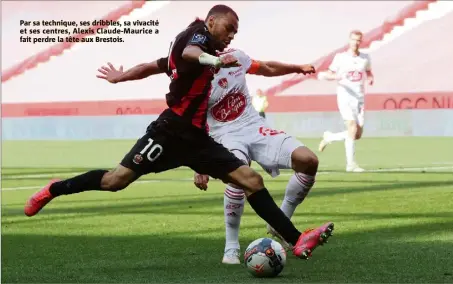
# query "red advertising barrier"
(315, 103)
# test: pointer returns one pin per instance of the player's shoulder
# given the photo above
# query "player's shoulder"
(233, 51)
(197, 29)
(365, 56)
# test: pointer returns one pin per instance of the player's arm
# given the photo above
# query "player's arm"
(331, 74)
(370, 77)
(195, 51)
(137, 72)
(275, 68)
(328, 75)
(369, 73)
(201, 181)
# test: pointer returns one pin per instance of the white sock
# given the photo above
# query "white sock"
(349, 145)
(339, 136)
(297, 189)
(233, 205)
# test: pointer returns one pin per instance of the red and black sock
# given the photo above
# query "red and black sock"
(263, 204)
(84, 182)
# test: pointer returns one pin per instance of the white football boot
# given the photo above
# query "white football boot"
(231, 256)
(354, 168)
(325, 141)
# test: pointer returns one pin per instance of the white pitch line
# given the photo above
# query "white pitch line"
(139, 181)
(18, 177)
(389, 170)
(13, 177)
(190, 179)
(412, 169)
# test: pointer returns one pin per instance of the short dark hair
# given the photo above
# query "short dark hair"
(356, 32)
(221, 10)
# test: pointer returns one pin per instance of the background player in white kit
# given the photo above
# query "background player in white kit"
(351, 69)
(235, 123)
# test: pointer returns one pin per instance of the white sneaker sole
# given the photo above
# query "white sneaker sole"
(230, 260)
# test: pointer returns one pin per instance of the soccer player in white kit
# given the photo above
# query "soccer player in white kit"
(234, 122)
(351, 69)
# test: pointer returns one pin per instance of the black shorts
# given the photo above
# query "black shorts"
(170, 143)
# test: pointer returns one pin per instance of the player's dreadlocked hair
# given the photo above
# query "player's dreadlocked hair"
(221, 10)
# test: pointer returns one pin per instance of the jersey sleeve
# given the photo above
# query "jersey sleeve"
(368, 64)
(162, 63)
(249, 64)
(254, 66)
(335, 64)
(200, 38)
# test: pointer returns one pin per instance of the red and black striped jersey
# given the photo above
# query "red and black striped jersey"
(190, 81)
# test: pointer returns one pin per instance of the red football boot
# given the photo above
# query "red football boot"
(38, 200)
(312, 238)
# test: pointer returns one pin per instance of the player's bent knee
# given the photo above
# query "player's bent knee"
(256, 182)
(247, 179)
(234, 185)
(117, 179)
(304, 161)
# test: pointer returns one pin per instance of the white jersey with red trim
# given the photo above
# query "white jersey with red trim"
(230, 104)
(352, 69)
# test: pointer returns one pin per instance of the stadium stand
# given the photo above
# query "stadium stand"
(66, 84)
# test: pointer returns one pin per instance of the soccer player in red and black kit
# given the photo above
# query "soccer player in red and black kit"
(179, 138)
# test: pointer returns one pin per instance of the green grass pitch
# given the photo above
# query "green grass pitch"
(394, 224)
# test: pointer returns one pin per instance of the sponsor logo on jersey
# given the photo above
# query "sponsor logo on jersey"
(229, 107)
(354, 76)
(236, 73)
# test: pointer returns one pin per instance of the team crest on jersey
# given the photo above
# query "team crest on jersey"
(230, 107)
(138, 159)
(223, 82)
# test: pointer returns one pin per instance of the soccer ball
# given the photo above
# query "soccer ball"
(265, 257)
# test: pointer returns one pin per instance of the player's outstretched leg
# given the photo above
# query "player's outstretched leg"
(264, 205)
(233, 202)
(355, 133)
(114, 180)
(233, 206)
(305, 165)
(329, 137)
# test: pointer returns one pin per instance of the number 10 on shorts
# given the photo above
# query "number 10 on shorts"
(152, 152)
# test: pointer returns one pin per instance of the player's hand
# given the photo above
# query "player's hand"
(109, 73)
(307, 69)
(201, 181)
(228, 61)
(370, 81)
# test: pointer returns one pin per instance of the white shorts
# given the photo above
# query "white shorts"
(351, 108)
(271, 149)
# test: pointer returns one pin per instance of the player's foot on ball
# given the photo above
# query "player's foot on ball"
(38, 200)
(311, 239)
(354, 168)
(231, 256)
(325, 141)
(274, 233)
